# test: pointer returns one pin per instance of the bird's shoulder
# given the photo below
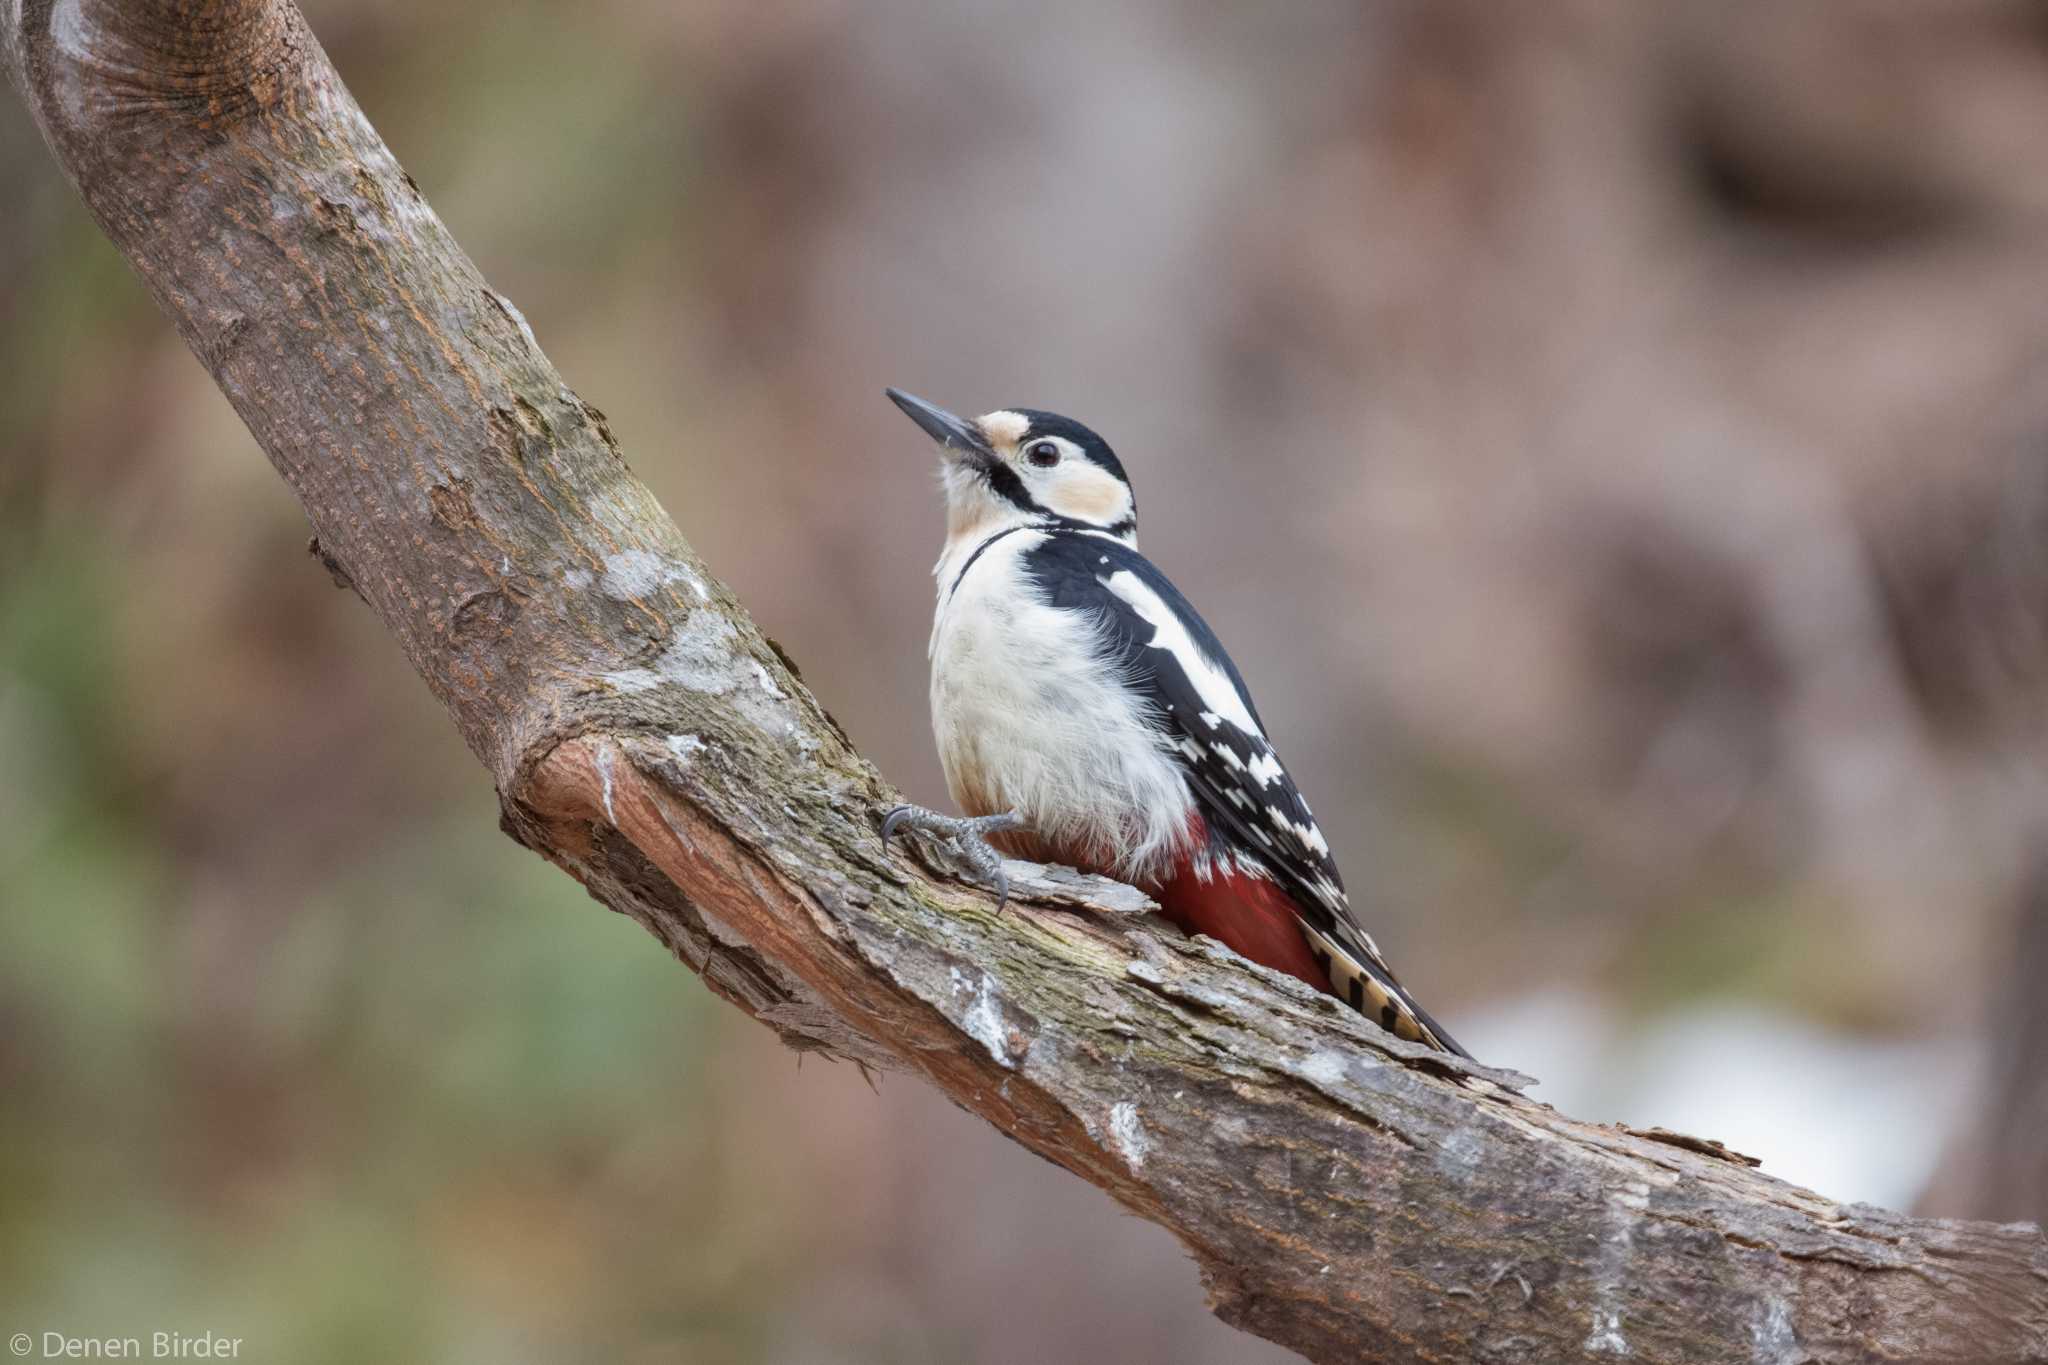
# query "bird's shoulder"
(1254, 813)
(1141, 608)
(1247, 796)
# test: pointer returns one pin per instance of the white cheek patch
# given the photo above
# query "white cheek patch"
(1086, 492)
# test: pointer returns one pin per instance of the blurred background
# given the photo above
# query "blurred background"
(1612, 437)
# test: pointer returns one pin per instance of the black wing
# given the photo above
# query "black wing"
(1254, 811)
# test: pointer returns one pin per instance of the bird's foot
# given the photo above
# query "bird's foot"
(969, 837)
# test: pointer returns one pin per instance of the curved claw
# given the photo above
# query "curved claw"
(967, 837)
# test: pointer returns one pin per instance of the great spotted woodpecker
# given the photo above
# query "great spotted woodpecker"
(1086, 714)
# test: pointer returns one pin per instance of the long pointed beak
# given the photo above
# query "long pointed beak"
(952, 433)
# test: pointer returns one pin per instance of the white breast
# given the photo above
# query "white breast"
(1029, 715)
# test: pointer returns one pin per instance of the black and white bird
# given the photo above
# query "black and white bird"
(1086, 714)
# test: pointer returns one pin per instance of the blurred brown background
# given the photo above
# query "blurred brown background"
(1612, 437)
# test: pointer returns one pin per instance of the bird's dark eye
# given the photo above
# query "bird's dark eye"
(1044, 454)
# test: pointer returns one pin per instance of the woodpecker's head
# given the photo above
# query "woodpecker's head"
(1020, 466)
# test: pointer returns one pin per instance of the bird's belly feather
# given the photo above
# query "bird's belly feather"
(1029, 716)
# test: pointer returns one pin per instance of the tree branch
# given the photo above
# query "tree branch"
(1344, 1193)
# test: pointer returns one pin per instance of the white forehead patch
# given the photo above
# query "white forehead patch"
(1004, 428)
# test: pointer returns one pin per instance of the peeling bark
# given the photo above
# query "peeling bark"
(1346, 1194)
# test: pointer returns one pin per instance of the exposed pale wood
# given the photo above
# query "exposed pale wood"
(1346, 1194)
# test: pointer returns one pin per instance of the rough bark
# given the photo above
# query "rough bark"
(1345, 1194)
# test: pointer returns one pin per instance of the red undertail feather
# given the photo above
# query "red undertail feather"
(1252, 916)
(1259, 920)
(1255, 918)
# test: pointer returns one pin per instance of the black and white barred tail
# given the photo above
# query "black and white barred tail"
(1375, 994)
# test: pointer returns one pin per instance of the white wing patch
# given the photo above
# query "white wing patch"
(1257, 823)
(1221, 703)
(1219, 696)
